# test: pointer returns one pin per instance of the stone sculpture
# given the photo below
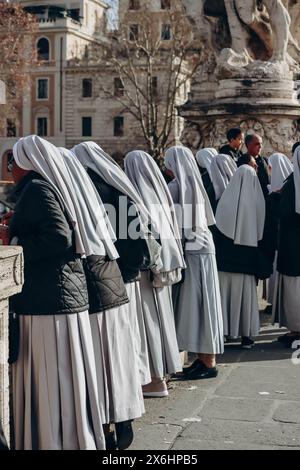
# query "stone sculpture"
(248, 31)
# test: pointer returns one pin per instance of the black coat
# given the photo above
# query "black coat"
(234, 154)
(209, 188)
(240, 259)
(54, 279)
(289, 232)
(134, 254)
(263, 174)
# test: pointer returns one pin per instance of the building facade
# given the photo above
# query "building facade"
(66, 29)
(64, 102)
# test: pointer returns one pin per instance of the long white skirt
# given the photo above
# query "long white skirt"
(239, 304)
(160, 328)
(55, 397)
(286, 306)
(139, 332)
(199, 321)
(117, 365)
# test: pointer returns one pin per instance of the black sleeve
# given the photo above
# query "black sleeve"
(133, 251)
(269, 242)
(40, 224)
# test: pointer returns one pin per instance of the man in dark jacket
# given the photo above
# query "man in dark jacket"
(254, 145)
(235, 138)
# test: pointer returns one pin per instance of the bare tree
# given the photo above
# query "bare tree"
(137, 55)
(17, 34)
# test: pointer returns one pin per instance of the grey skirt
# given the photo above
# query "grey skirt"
(286, 306)
(55, 396)
(117, 365)
(139, 331)
(239, 304)
(199, 321)
(158, 315)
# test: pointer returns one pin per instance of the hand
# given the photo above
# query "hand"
(4, 234)
(7, 218)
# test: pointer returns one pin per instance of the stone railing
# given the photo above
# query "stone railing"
(11, 281)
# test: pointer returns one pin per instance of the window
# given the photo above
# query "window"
(165, 4)
(86, 123)
(87, 88)
(11, 129)
(166, 32)
(134, 32)
(42, 89)
(42, 126)
(134, 4)
(10, 161)
(7, 161)
(119, 126)
(43, 49)
(118, 87)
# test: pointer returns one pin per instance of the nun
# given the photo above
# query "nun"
(199, 322)
(117, 367)
(280, 168)
(240, 220)
(117, 192)
(55, 393)
(164, 355)
(204, 160)
(222, 170)
(286, 308)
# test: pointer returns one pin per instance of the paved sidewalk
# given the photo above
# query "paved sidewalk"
(253, 404)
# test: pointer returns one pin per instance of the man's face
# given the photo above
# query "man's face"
(255, 146)
(238, 142)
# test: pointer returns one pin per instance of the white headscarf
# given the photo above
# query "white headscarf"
(222, 170)
(282, 167)
(205, 157)
(241, 210)
(146, 177)
(297, 178)
(93, 157)
(35, 154)
(93, 216)
(196, 210)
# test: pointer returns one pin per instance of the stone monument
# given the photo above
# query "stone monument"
(247, 77)
(11, 282)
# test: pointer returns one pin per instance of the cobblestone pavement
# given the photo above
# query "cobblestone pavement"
(254, 403)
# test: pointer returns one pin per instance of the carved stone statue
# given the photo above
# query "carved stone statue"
(257, 30)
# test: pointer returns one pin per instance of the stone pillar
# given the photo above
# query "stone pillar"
(11, 281)
(2, 92)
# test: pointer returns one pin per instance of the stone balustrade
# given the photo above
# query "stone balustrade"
(11, 281)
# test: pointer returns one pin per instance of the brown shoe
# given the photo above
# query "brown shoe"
(157, 389)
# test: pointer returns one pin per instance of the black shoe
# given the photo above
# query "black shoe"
(110, 441)
(192, 367)
(124, 434)
(268, 310)
(282, 338)
(290, 340)
(200, 371)
(247, 343)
